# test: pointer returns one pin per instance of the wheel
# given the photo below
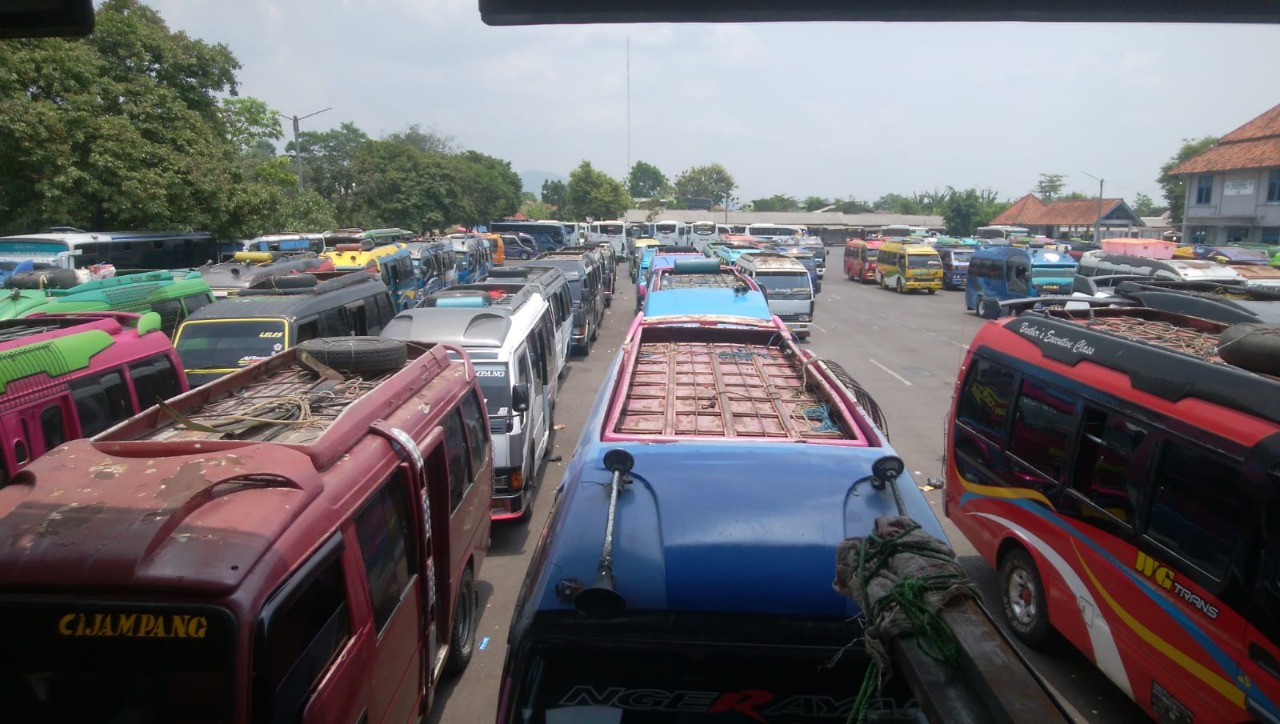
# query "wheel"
(902, 286)
(848, 275)
(1022, 594)
(356, 355)
(880, 281)
(933, 291)
(462, 639)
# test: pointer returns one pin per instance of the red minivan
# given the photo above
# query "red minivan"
(860, 259)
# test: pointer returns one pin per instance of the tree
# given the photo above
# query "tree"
(1049, 187)
(645, 181)
(122, 129)
(398, 185)
(1175, 187)
(964, 211)
(593, 194)
(327, 158)
(424, 141)
(1144, 205)
(537, 210)
(553, 193)
(852, 206)
(491, 187)
(813, 203)
(898, 204)
(705, 182)
(777, 202)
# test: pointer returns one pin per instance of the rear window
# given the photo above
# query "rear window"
(229, 344)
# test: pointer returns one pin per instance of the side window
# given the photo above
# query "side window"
(52, 426)
(309, 329)
(170, 311)
(302, 628)
(383, 312)
(153, 380)
(1198, 522)
(455, 442)
(333, 323)
(196, 301)
(384, 529)
(100, 402)
(1108, 471)
(359, 322)
(984, 399)
(1043, 422)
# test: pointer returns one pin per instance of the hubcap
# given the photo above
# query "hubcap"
(1022, 597)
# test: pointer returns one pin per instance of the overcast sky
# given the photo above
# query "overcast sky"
(827, 109)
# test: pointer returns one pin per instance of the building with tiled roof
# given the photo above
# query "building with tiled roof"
(1233, 189)
(1065, 219)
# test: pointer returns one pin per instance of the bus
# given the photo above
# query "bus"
(254, 569)
(671, 232)
(685, 571)
(174, 296)
(550, 235)
(1001, 232)
(1121, 477)
(288, 243)
(702, 233)
(612, 232)
(392, 262)
(776, 232)
(67, 376)
(124, 249)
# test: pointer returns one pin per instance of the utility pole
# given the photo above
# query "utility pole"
(1097, 225)
(297, 148)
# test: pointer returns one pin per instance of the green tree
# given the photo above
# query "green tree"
(553, 193)
(777, 202)
(537, 210)
(898, 204)
(813, 203)
(712, 181)
(327, 158)
(1049, 187)
(122, 129)
(424, 141)
(1175, 187)
(398, 185)
(593, 194)
(964, 211)
(646, 181)
(852, 206)
(1144, 205)
(492, 189)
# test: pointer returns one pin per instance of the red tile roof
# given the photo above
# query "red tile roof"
(1020, 213)
(1030, 210)
(1256, 144)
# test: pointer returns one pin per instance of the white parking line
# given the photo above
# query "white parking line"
(820, 329)
(835, 297)
(895, 375)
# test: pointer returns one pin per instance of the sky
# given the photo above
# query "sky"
(827, 109)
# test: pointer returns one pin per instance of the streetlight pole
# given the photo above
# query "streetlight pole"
(297, 148)
(1097, 225)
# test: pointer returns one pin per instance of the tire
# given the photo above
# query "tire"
(902, 287)
(1252, 346)
(933, 291)
(44, 279)
(285, 281)
(1023, 598)
(357, 355)
(849, 275)
(462, 637)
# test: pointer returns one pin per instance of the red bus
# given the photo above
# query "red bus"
(860, 259)
(297, 541)
(1125, 482)
(65, 376)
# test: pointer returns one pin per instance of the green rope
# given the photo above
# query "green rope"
(932, 635)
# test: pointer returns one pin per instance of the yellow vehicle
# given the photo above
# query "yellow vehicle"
(496, 249)
(908, 267)
(637, 252)
(393, 263)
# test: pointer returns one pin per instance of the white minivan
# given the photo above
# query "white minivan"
(787, 285)
(504, 338)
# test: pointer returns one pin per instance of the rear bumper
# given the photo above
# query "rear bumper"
(507, 504)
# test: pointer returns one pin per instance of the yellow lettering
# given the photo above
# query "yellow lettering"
(107, 630)
(147, 626)
(64, 624)
(178, 626)
(1164, 577)
(1146, 565)
(133, 625)
(159, 631)
(198, 627)
(126, 623)
(97, 625)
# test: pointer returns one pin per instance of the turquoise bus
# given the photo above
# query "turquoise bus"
(173, 295)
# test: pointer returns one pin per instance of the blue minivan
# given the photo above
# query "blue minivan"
(1013, 272)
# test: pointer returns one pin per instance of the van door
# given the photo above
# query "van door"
(388, 532)
(536, 417)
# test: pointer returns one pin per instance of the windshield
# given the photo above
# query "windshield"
(228, 344)
(88, 662)
(460, 259)
(784, 282)
(666, 228)
(680, 683)
(1053, 272)
(496, 387)
(22, 249)
(923, 261)
(960, 258)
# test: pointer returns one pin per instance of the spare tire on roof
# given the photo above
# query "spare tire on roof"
(356, 355)
(285, 280)
(44, 279)
(1252, 346)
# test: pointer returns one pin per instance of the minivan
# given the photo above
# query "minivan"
(787, 285)
(553, 286)
(581, 267)
(268, 318)
(506, 338)
(908, 267)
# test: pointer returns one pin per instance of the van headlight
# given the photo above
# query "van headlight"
(804, 318)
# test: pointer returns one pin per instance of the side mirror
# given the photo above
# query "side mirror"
(520, 397)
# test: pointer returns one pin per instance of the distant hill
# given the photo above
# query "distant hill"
(533, 180)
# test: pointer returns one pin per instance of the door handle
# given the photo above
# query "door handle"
(1264, 659)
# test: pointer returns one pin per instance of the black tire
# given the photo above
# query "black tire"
(462, 637)
(1252, 346)
(285, 281)
(902, 287)
(933, 291)
(358, 355)
(43, 279)
(1022, 596)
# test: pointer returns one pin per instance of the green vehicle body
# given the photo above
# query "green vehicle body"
(173, 296)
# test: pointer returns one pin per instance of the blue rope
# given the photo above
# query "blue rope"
(821, 414)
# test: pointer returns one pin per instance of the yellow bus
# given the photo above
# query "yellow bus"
(908, 267)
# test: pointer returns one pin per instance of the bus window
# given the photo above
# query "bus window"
(383, 528)
(170, 311)
(192, 302)
(455, 443)
(984, 399)
(1107, 479)
(100, 402)
(1199, 522)
(1042, 426)
(52, 426)
(154, 380)
(302, 628)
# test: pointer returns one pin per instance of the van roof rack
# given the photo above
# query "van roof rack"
(513, 296)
